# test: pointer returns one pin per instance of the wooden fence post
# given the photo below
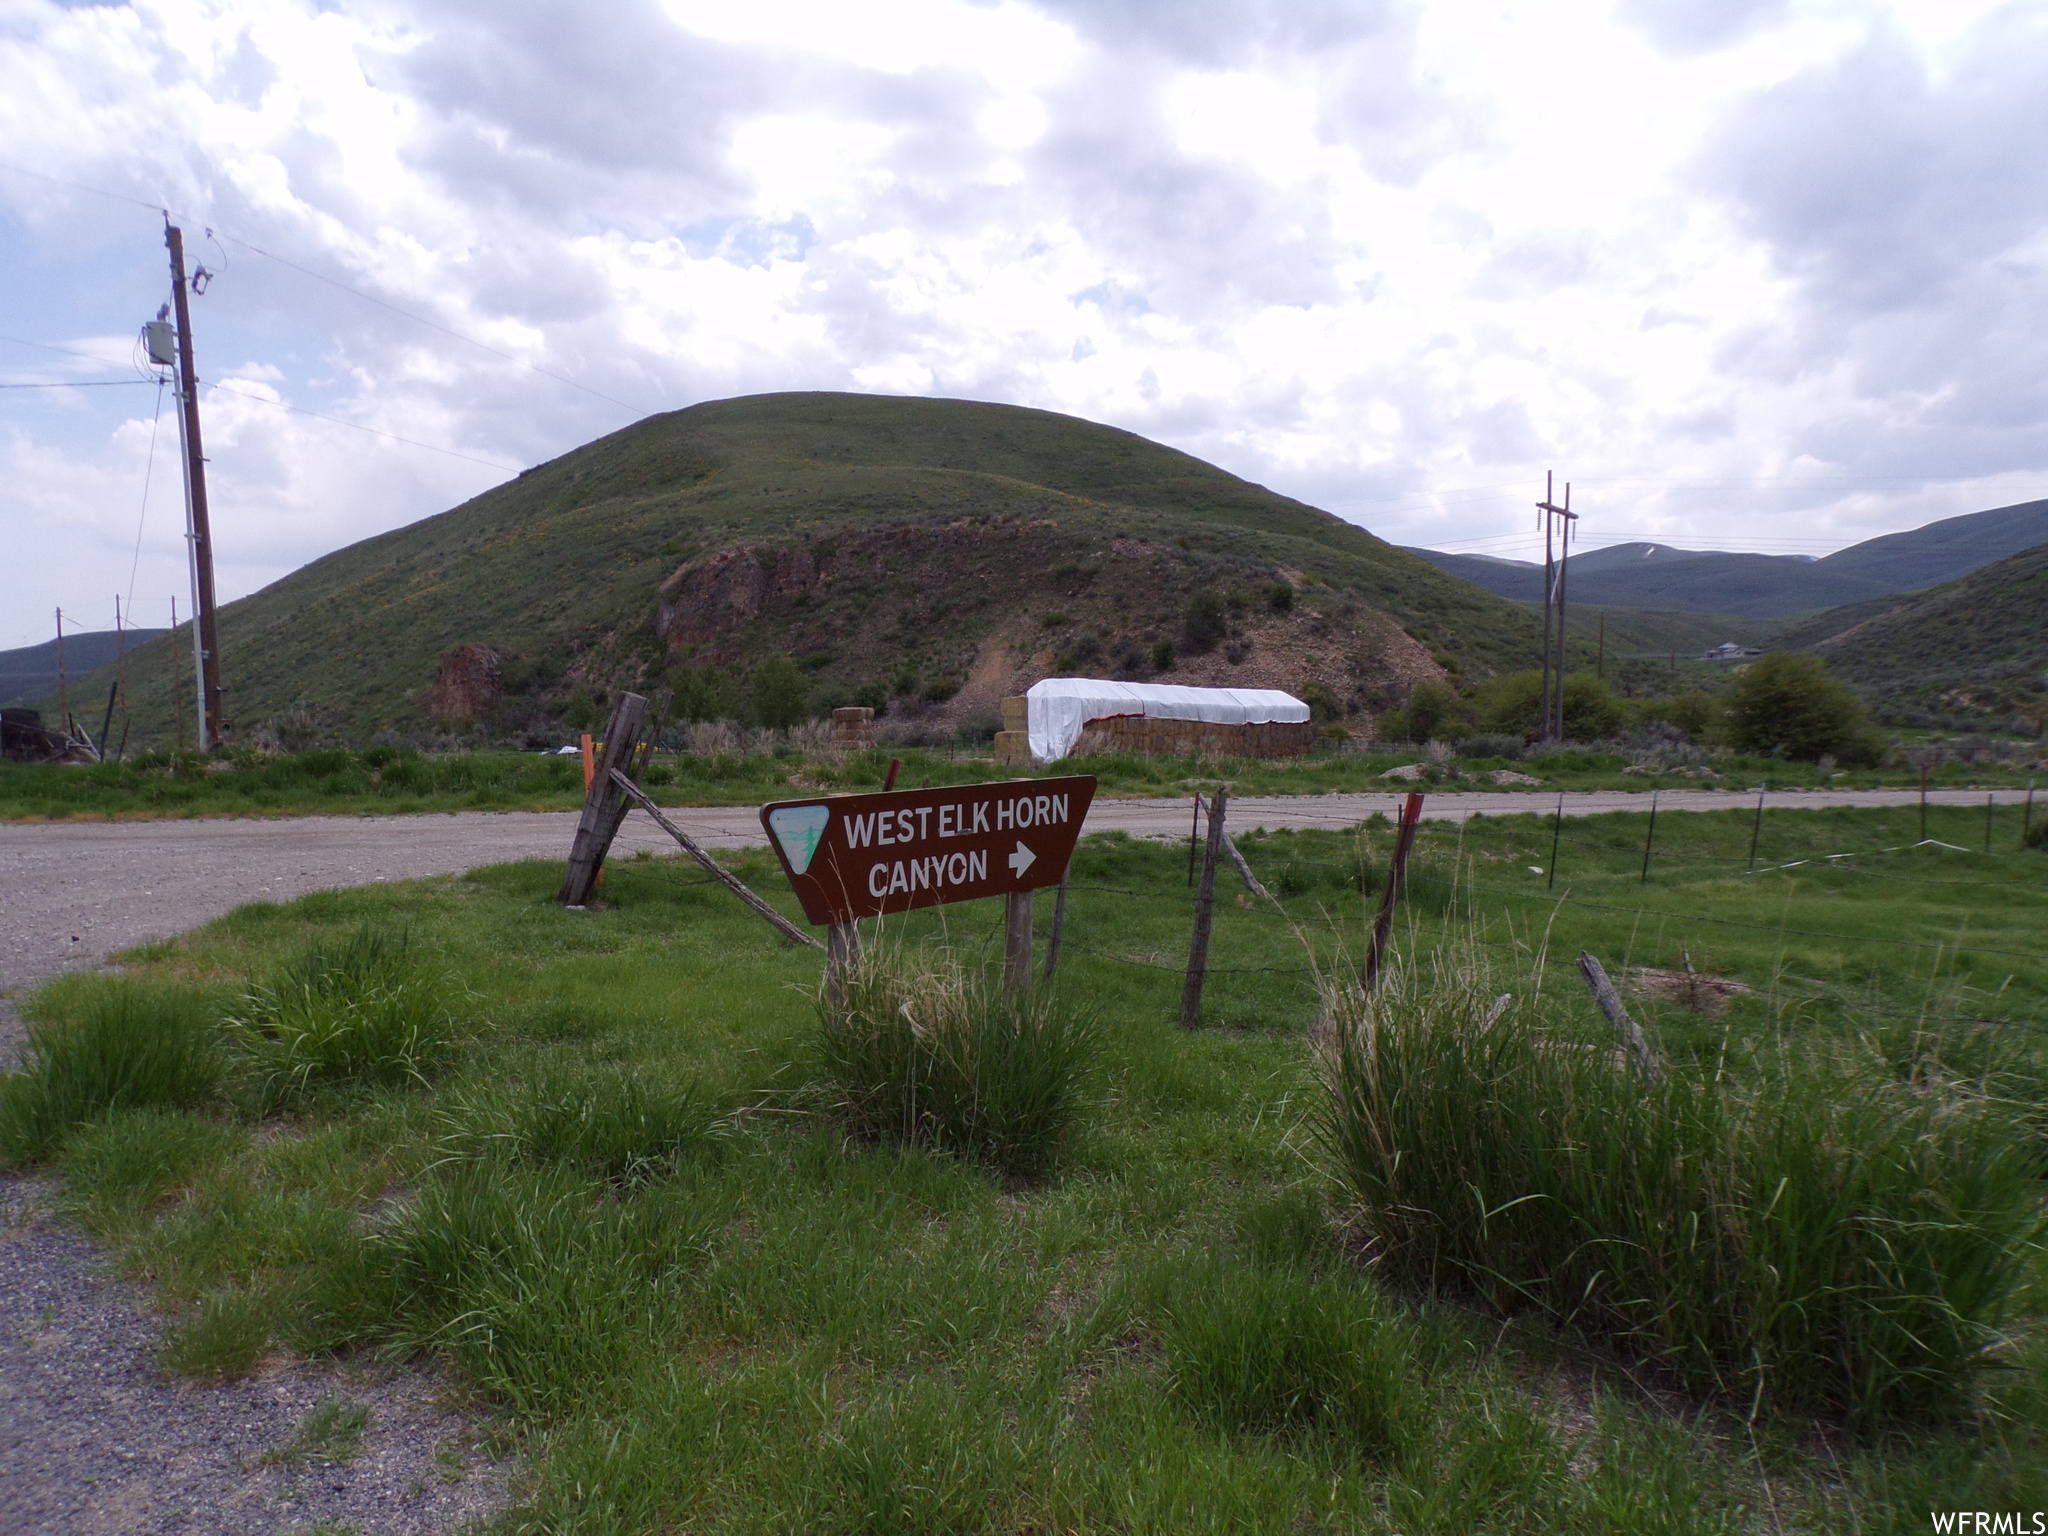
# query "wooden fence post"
(1205, 912)
(1650, 836)
(604, 804)
(719, 872)
(842, 953)
(1059, 928)
(1397, 874)
(1610, 1004)
(1757, 831)
(1017, 942)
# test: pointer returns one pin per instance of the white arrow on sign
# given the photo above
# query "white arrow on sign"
(1022, 860)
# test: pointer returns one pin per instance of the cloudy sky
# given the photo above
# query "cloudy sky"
(1752, 274)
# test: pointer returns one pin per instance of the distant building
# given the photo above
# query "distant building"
(1728, 650)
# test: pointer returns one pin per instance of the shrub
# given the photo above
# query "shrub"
(362, 1007)
(1512, 704)
(781, 694)
(1282, 1349)
(1823, 1239)
(1205, 623)
(1431, 704)
(1694, 715)
(1162, 656)
(1787, 705)
(1280, 597)
(1509, 747)
(130, 1045)
(927, 1053)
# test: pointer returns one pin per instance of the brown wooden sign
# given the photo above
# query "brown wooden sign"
(854, 856)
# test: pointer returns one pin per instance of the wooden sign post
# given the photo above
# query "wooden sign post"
(604, 803)
(855, 856)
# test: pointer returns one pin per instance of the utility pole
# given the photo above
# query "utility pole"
(206, 651)
(63, 690)
(1555, 560)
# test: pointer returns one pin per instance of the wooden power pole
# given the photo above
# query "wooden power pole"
(1556, 561)
(205, 644)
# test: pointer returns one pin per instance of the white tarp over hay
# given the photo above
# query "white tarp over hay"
(1059, 707)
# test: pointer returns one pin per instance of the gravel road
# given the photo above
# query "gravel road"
(92, 1439)
(78, 891)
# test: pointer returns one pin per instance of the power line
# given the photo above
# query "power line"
(299, 410)
(83, 384)
(321, 277)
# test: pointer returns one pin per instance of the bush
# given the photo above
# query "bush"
(1206, 623)
(362, 1007)
(781, 693)
(1694, 715)
(1163, 656)
(928, 1053)
(1514, 703)
(1786, 705)
(1430, 705)
(129, 1046)
(1280, 597)
(1509, 747)
(1824, 1239)
(1260, 1350)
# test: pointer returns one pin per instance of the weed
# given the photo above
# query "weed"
(330, 1434)
(1819, 1239)
(929, 1052)
(360, 1008)
(219, 1340)
(131, 1045)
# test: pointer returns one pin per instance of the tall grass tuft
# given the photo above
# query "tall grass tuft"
(613, 1124)
(362, 1008)
(529, 1279)
(927, 1052)
(1284, 1349)
(1820, 1238)
(128, 1045)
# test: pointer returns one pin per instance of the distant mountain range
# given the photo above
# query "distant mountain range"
(30, 673)
(1972, 648)
(1767, 586)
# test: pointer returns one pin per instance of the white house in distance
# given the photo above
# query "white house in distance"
(1728, 650)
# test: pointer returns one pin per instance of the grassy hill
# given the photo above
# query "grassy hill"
(937, 552)
(1659, 576)
(1971, 649)
(30, 672)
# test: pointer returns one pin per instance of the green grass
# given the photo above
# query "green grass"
(628, 1210)
(388, 781)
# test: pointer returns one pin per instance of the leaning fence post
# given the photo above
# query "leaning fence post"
(604, 803)
(1205, 913)
(1397, 874)
(1556, 833)
(1059, 928)
(1650, 836)
(1610, 1004)
(1757, 830)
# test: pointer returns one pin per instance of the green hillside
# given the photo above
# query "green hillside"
(1971, 649)
(30, 672)
(936, 551)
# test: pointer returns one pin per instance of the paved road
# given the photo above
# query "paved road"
(73, 892)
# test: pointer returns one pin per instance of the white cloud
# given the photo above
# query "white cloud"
(1752, 272)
